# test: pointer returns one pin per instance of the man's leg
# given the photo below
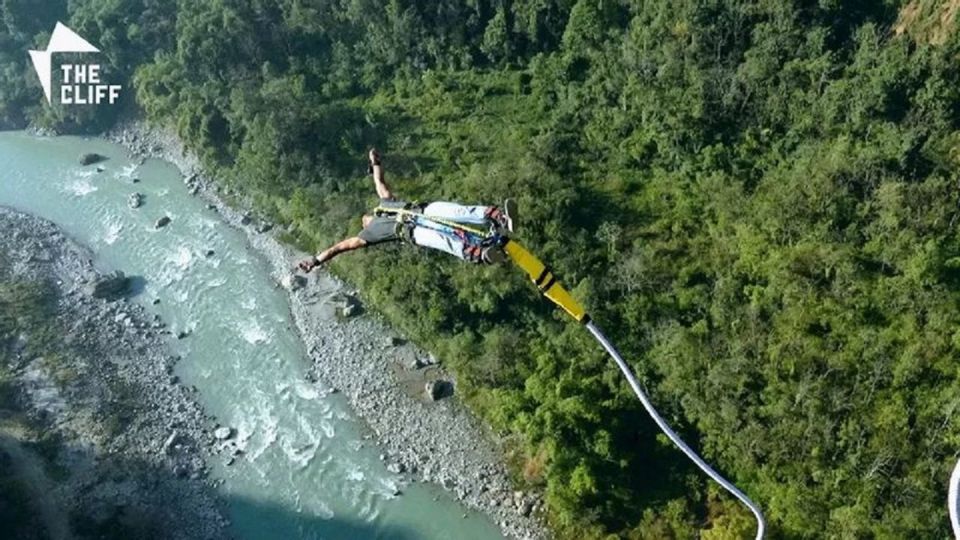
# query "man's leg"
(430, 238)
(376, 169)
(458, 213)
(457, 246)
(474, 215)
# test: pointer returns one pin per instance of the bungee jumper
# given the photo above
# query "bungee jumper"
(472, 233)
(479, 234)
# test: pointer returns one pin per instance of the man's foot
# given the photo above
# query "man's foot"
(508, 217)
(374, 157)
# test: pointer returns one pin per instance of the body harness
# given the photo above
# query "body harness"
(410, 216)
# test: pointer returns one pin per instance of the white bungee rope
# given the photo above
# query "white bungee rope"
(953, 501)
(761, 524)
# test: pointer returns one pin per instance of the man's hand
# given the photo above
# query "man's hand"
(307, 265)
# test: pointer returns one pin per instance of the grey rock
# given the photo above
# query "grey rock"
(91, 158)
(396, 468)
(223, 433)
(135, 200)
(110, 286)
(293, 282)
(340, 300)
(437, 390)
(162, 222)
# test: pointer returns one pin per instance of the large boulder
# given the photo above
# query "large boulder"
(162, 222)
(437, 390)
(91, 158)
(345, 305)
(110, 286)
(135, 200)
(407, 357)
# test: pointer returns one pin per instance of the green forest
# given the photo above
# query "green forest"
(757, 201)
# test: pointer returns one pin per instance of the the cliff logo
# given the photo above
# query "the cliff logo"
(81, 82)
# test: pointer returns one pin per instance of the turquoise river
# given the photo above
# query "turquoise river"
(310, 469)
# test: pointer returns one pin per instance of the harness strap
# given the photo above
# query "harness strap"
(404, 231)
(473, 239)
(407, 213)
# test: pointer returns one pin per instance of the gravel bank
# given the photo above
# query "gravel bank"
(383, 378)
(126, 442)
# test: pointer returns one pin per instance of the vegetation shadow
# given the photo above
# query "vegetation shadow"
(128, 497)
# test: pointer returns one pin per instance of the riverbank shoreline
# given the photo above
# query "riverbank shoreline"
(424, 440)
(102, 434)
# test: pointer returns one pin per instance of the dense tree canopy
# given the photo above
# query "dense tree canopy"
(757, 200)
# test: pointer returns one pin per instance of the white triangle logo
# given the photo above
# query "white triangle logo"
(62, 40)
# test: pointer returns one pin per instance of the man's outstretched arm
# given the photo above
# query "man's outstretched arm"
(376, 168)
(342, 246)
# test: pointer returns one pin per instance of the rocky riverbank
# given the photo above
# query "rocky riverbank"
(391, 384)
(101, 434)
